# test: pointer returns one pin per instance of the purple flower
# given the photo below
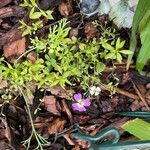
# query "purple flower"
(80, 102)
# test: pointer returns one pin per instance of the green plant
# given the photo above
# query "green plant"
(114, 50)
(21, 74)
(41, 141)
(34, 14)
(30, 29)
(106, 32)
(141, 22)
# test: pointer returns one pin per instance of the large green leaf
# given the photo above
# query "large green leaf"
(144, 54)
(138, 128)
(142, 7)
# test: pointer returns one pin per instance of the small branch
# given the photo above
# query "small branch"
(121, 91)
(140, 96)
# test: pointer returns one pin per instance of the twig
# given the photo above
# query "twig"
(140, 96)
(120, 91)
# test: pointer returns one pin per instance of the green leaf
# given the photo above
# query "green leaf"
(119, 58)
(142, 8)
(138, 128)
(110, 56)
(119, 44)
(143, 26)
(34, 15)
(49, 14)
(33, 2)
(100, 67)
(144, 53)
(127, 52)
(107, 46)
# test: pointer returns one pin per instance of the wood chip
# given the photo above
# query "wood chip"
(141, 96)
(56, 126)
(12, 11)
(4, 2)
(14, 49)
(13, 35)
(67, 110)
(51, 105)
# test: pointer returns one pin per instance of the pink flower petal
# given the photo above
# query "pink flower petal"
(77, 106)
(87, 102)
(78, 96)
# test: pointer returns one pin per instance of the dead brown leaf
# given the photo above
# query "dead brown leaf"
(56, 126)
(14, 49)
(65, 8)
(60, 92)
(90, 30)
(51, 105)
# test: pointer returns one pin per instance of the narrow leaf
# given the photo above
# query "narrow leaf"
(138, 128)
(142, 8)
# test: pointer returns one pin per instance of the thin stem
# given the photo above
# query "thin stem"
(39, 138)
(24, 54)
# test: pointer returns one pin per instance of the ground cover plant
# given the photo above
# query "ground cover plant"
(62, 70)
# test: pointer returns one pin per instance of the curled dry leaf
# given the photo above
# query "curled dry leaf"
(60, 92)
(90, 30)
(65, 8)
(51, 105)
(56, 126)
(15, 49)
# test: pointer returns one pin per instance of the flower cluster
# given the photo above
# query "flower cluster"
(95, 90)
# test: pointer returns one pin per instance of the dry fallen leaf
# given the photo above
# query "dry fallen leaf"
(51, 104)
(90, 30)
(56, 126)
(14, 49)
(65, 8)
